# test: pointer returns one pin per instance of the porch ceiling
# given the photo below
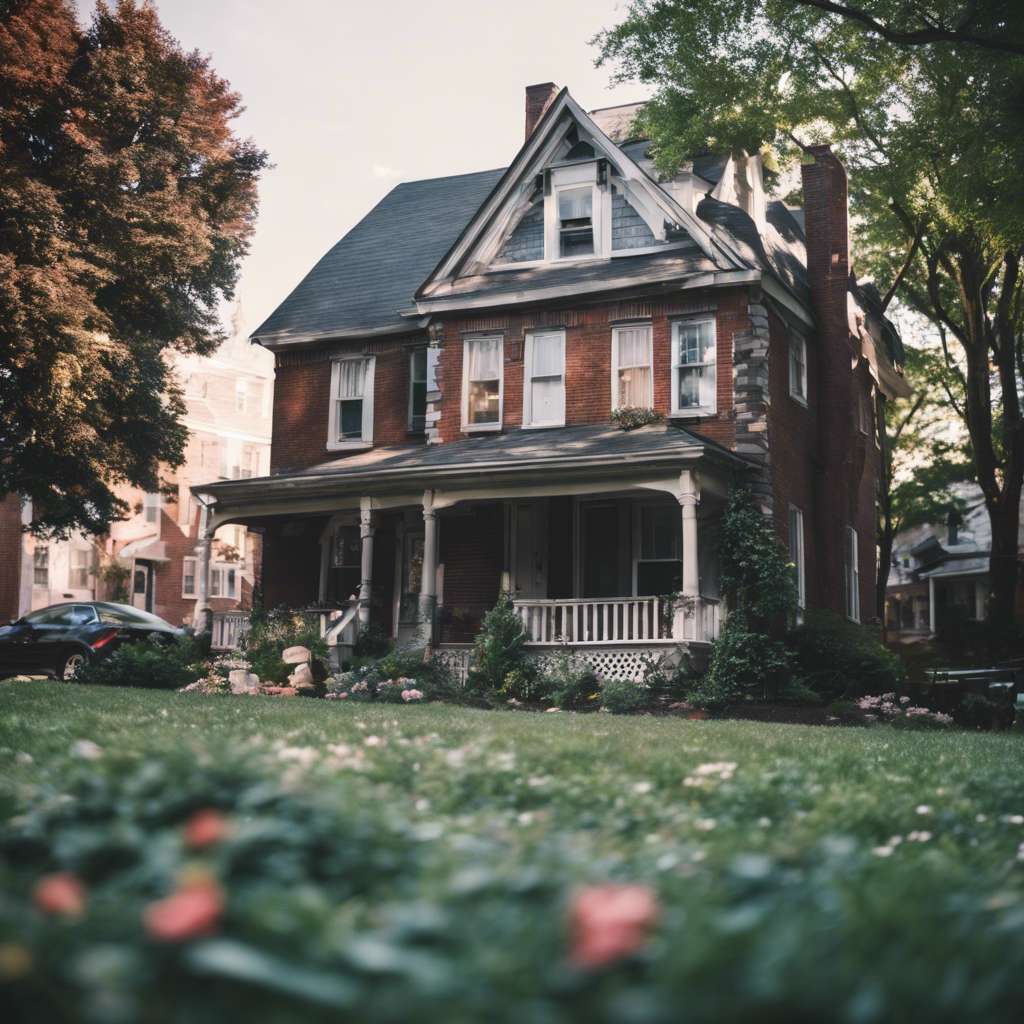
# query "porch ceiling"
(562, 453)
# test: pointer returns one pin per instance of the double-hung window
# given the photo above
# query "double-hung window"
(152, 508)
(417, 390)
(796, 556)
(852, 576)
(41, 566)
(224, 581)
(694, 368)
(482, 365)
(81, 568)
(351, 417)
(188, 577)
(576, 222)
(632, 373)
(798, 368)
(659, 560)
(544, 376)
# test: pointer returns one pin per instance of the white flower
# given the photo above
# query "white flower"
(980, 818)
(1013, 819)
(705, 824)
(922, 809)
(882, 851)
(920, 837)
(422, 805)
(373, 741)
(763, 822)
(304, 755)
(643, 787)
(87, 749)
(526, 818)
(24, 757)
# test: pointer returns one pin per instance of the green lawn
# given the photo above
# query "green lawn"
(416, 863)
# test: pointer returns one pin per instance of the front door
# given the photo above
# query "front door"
(529, 553)
(142, 586)
(599, 549)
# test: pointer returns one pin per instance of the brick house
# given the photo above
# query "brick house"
(228, 398)
(446, 376)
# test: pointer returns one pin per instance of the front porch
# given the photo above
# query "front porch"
(618, 556)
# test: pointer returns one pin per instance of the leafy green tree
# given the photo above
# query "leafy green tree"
(126, 204)
(924, 455)
(930, 123)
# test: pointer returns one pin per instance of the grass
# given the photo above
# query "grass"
(417, 861)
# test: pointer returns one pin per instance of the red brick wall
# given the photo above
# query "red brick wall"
(302, 395)
(471, 550)
(10, 557)
(848, 481)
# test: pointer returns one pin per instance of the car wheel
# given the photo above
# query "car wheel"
(69, 664)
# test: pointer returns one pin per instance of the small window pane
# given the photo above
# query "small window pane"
(41, 566)
(483, 402)
(697, 387)
(575, 204)
(351, 415)
(351, 378)
(696, 342)
(660, 529)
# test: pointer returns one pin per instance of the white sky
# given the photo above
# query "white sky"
(352, 98)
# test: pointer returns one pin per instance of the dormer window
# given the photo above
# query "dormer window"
(576, 222)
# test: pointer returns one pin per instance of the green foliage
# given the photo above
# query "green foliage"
(499, 646)
(743, 661)
(757, 576)
(369, 678)
(630, 417)
(797, 693)
(152, 666)
(623, 696)
(270, 633)
(837, 658)
(371, 642)
(125, 191)
(526, 682)
(571, 680)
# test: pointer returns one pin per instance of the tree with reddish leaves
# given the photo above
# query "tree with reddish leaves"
(126, 206)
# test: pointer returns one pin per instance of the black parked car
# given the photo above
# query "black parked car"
(60, 639)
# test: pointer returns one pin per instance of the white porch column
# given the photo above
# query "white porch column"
(931, 604)
(689, 495)
(428, 584)
(367, 528)
(202, 620)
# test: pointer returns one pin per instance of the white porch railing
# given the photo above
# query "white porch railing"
(618, 620)
(227, 627)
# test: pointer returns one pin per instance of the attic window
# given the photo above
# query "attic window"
(575, 222)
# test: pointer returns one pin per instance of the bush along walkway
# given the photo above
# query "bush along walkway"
(179, 856)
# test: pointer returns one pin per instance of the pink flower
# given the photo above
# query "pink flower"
(205, 828)
(408, 695)
(194, 909)
(61, 893)
(609, 922)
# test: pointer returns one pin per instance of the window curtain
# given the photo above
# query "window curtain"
(351, 378)
(635, 368)
(484, 357)
(547, 391)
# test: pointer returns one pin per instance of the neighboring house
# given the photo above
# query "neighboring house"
(228, 399)
(447, 372)
(940, 571)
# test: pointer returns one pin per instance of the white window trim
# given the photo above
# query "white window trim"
(353, 444)
(574, 176)
(801, 578)
(692, 412)
(615, 359)
(852, 567)
(528, 423)
(801, 394)
(223, 567)
(481, 428)
(410, 425)
(195, 580)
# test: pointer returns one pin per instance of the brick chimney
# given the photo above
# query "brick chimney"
(826, 227)
(538, 99)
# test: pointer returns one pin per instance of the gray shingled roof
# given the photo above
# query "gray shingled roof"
(594, 448)
(372, 273)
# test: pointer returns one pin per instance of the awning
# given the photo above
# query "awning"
(147, 549)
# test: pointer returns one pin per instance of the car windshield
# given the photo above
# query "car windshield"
(62, 615)
(126, 616)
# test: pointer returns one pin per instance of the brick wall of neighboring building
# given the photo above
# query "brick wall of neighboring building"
(10, 557)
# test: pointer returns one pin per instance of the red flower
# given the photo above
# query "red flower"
(60, 894)
(205, 828)
(609, 922)
(195, 909)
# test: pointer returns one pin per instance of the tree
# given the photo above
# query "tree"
(126, 204)
(932, 134)
(924, 455)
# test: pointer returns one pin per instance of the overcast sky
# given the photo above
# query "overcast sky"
(352, 98)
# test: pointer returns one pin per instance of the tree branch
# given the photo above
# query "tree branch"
(914, 245)
(935, 34)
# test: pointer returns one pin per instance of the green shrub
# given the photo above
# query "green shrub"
(846, 710)
(152, 666)
(367, 679)
(630, 417)
(270, 633)
(572, 681)
(499, 647)
(371, 642)
(526, 682)
(623, 696)
(742, 660)
(837, 658)
(799, 694)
